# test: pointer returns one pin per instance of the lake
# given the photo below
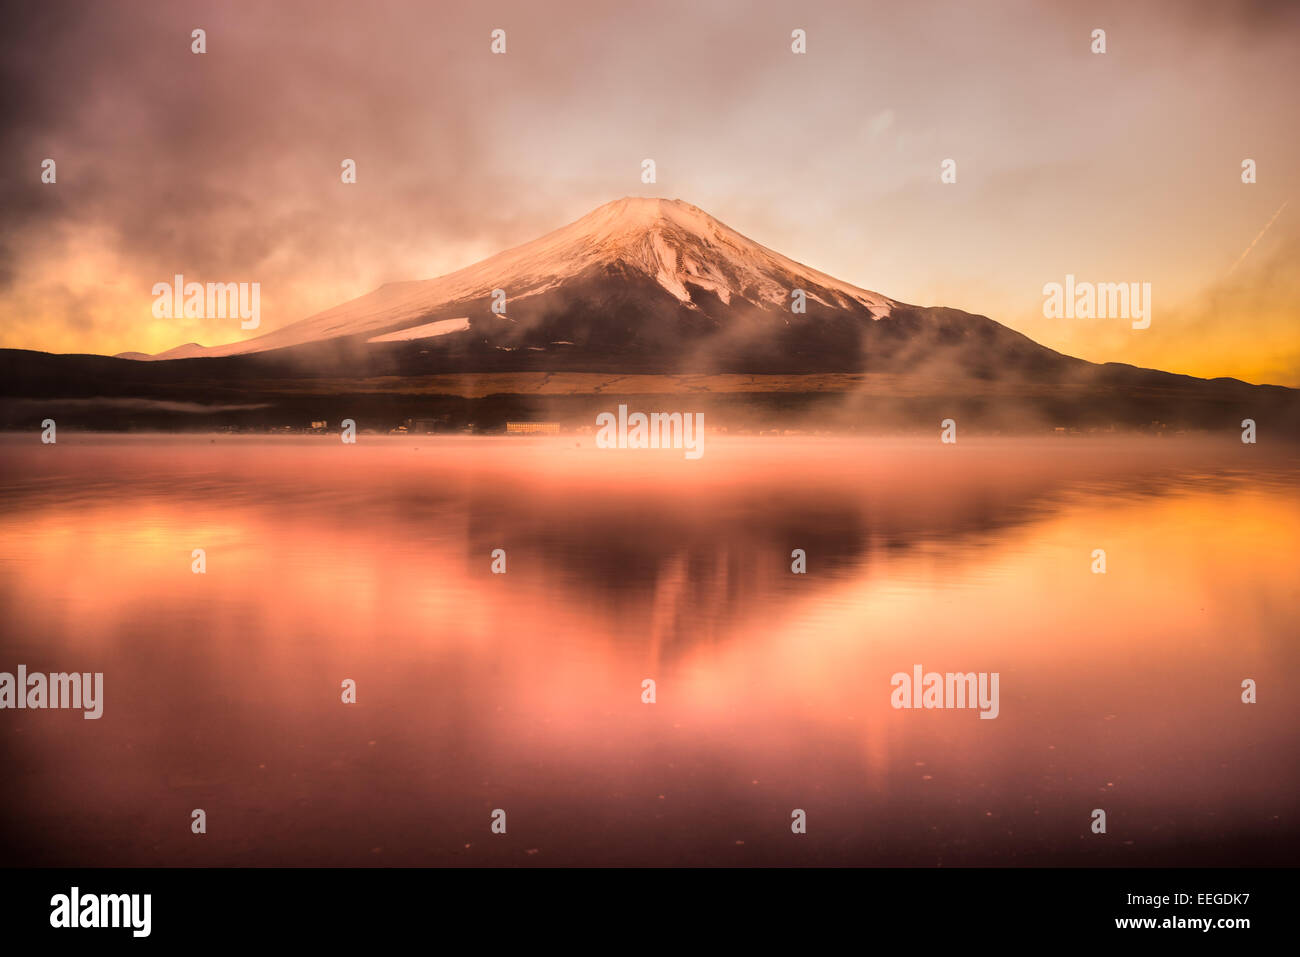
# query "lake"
(477, 691)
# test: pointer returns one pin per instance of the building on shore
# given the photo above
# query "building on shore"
(532, 428)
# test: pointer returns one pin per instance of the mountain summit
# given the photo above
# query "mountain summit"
(679, 246)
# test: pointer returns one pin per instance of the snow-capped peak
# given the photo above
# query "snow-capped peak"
(678, 244)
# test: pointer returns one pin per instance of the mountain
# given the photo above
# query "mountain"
(669, 254)
(650, 285)
(639, 297)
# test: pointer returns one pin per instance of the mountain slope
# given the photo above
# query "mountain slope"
(681, 248)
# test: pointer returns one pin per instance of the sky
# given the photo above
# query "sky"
(1123, 166)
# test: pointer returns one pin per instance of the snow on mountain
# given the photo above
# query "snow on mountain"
(428, 330)
(674, 243)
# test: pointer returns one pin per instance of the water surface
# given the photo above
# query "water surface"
(523, 691)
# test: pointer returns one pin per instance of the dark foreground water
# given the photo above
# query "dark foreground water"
(523, 691)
